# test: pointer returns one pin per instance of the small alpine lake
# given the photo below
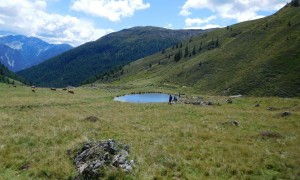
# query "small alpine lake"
(144, 98)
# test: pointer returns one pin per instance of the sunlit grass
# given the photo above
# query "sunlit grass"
(179, 141)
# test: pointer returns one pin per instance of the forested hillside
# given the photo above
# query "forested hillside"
(6, 76)
(110, 51)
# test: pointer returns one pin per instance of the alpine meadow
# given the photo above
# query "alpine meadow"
(236, 117)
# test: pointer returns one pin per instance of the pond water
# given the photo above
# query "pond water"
(144, 98)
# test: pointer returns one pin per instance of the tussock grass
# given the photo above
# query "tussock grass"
(41, 131)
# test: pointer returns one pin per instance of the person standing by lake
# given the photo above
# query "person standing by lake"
(170, 99)
(175, 99)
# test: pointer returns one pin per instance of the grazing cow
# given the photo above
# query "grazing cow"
(69, 91)
(64, 89)
(33, 87)
(15, 86)
(53, 89)
(33, 90)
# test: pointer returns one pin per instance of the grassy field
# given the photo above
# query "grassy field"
(167, 142)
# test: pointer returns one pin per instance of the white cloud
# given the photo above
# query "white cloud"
(198, 21)
(210, 26)
(169, 26)
(113, 10)
(31, 19)
(240, 10)
(207, 26)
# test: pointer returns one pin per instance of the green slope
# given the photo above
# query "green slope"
(115, 49)
(259, 57)
(7, 76)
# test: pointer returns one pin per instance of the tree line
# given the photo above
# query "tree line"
(188, 52)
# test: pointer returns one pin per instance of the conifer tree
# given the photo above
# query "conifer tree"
(194, 50)
(186, 51)
(295, 3)
(178, 56)
(217, 42)
(200, 47)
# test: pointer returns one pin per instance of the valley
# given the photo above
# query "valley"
(237, 116)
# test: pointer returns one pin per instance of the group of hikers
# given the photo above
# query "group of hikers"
(173, 99)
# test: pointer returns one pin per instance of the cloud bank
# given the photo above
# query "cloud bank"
(113, 10)
(31, 19)
(198, 21)
(240, 10)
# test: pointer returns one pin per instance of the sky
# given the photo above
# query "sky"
(76, 22)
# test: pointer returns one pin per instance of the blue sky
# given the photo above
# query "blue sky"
(78, 21)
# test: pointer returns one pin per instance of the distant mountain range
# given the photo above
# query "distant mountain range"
(108, 52)
(21, 52)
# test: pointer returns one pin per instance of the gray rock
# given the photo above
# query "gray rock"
(232, 123)
(206, 103)
(91, 119)
(98, 164)
(235, 123)
(95, 155)
(228, 101)
(269, 134)
(82, 168)
(126, 167)
(236, 96)
(271, 108)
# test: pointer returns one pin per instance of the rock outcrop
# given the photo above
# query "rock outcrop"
(95, 158)
(91, 119)
(270, 135)
(197, 102)
(231, 123)
(285, 113)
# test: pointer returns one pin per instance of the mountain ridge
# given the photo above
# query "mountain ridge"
(108, 52)
(19, 52)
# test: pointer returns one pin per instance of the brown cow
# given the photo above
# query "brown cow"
(53, 89)
(69, 91)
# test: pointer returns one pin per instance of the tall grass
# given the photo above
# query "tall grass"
(39, 130)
